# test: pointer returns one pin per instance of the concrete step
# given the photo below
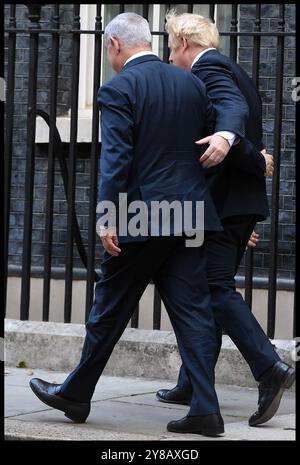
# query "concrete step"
(139, 352)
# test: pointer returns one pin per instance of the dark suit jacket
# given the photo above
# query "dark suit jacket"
(151, 115)
(239, 188)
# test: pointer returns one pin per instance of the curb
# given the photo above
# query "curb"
(139, 353)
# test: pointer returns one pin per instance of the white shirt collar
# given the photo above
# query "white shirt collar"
(202, 53)
(137, 55)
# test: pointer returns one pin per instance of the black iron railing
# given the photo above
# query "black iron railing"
(35, 31)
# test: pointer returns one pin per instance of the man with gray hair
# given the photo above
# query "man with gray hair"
(151, 115)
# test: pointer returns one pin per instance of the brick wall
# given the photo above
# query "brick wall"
(286, 253)
(267, 82)
(19, 148)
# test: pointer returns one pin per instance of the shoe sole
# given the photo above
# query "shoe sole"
(172, 401)
(75, 419)
(67, 414)
(273, 407)
(210, 433)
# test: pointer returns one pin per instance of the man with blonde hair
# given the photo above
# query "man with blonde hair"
(196, 33)
(196, 29)
(239, 190)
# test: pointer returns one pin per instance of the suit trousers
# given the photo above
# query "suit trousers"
(224, 250)
(179, 272)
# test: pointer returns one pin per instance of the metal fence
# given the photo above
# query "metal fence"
(34, 31)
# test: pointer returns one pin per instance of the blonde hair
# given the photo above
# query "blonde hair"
(196, 29)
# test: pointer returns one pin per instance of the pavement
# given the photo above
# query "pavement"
(126, 409)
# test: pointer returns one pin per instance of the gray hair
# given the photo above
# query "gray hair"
(131, 29)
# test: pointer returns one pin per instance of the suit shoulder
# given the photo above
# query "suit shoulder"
(184, 75)
(120, 84)
(118, 81)
(225, 62)
(213, 56)
(215, 59)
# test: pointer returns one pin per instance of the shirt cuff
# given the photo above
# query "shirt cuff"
(230, 136)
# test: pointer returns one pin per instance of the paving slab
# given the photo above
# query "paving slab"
(126, 409)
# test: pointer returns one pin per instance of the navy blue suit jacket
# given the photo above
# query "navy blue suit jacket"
(151, 115)
(240, 186)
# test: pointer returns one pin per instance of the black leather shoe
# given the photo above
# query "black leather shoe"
(278, 378)
(50, 395)
(173, 396)
(207, 425)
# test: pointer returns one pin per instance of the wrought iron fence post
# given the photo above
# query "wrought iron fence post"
(156, 309)
(10, 96)
(212, 11)
(276, 179)
(255, 78)
(94, 170)
(34, 14)
(51, 165)
(233, 28)
(72, 166)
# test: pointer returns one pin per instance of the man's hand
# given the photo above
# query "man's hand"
(253, 240)
(269, 163)
(110, 241)
(216, 152)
